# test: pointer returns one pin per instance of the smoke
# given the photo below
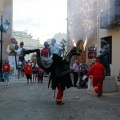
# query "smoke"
(83, 18)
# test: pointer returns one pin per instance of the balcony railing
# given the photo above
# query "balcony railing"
(110, 18)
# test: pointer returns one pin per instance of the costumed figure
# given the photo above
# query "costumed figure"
(104, 56)
(98, 75)
(60, 71)
(21, 53)
(54, 49)
(12, 51)
(45, 52)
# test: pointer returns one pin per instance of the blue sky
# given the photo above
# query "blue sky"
(41, 18)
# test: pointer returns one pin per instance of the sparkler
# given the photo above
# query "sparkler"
(84, 45)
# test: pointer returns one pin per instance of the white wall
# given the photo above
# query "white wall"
(115, 33)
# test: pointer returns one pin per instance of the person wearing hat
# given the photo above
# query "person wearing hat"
(98, 75)
(12, 50)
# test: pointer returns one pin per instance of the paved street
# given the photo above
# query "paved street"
(22, 101)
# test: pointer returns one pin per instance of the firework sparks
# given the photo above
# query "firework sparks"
(74, 44)
(84, 45)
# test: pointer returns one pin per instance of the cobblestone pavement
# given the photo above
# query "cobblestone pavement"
(22, 101)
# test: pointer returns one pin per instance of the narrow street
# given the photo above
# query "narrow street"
(34, 101)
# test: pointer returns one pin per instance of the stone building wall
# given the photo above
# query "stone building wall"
(6, 9)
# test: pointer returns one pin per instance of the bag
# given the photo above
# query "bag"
(84, 77)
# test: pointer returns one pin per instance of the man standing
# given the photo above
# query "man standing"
(83, 72)
(75, 72)
(11, 50)
(98, 74)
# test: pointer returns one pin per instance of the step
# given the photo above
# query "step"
(109, 84)
(118, 85)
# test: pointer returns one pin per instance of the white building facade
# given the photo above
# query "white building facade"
(29, 42)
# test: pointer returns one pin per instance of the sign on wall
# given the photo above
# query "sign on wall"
(92, 52)
(92, 55)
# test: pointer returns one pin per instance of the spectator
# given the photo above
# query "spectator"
(6, 72)
(28, 72)
(40, 75)
(34, 71)
(22, 68)
(89, 75)
(75, 72)
(19, 68)
(83, 73)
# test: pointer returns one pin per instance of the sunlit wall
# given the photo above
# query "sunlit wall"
(6, 7)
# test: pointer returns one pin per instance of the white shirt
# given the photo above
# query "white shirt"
(8, 49)
(75, 67)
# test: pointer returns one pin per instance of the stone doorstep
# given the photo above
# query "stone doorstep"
(118, 84)
(110, 85)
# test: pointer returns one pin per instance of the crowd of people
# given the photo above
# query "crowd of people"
(89, 75)
(18, 66)
(93, 74)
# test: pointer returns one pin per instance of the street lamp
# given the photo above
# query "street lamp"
(3, 29)
(63, 44)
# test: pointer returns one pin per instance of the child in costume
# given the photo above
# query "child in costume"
(6, 72)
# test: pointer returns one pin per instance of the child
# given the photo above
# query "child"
(34, 71)
(28, 72)
(19, 68)
(22, 68)
(40, 75)
(6, 72)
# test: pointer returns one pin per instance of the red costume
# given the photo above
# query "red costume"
(6, 68)
(45, 52)
(98, 73)
(28, 69)
(59, 95)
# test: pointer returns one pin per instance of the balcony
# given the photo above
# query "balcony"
(110, 18)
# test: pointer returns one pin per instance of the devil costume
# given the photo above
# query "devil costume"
(59, 69)
(59, 80)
